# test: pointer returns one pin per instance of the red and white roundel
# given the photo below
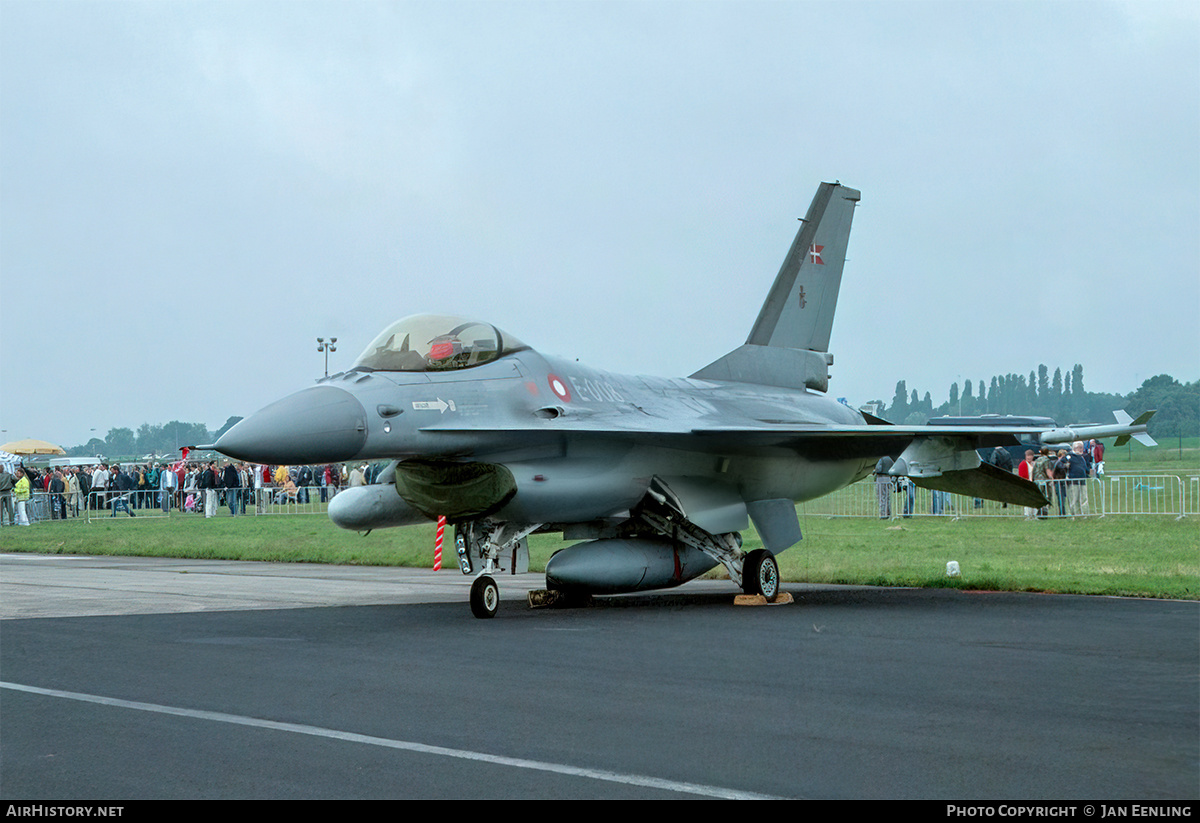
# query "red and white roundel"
(559, 387)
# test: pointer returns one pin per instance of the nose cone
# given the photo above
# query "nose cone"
(321, 424)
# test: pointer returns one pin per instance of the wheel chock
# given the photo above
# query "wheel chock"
(551, 599)
(758, 600)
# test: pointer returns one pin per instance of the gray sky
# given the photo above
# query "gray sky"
(191, 193)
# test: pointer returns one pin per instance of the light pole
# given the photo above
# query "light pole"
(326, 347)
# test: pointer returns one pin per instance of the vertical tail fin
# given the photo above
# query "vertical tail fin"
(789, 343)
(798, 313)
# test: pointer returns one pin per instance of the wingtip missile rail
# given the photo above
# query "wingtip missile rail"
(1125, 428)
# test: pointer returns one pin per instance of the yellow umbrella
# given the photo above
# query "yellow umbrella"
(30, 446)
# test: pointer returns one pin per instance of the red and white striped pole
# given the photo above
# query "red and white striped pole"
(437, 545)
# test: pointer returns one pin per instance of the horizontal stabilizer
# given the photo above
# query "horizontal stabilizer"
(988, 482)
(769, 366)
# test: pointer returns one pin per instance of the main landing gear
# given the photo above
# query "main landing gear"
(756, 572)
(760, 574)
(488, 548)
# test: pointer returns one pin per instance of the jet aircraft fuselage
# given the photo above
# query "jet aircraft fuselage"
(581, 444)
(659, 476)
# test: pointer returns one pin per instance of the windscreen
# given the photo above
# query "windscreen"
(433, 342)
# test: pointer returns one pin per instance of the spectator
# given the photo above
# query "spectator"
(286, 493)
(1076, 469)
(121, 488)
(1097, 457)
(1025, 470)
(7, 482)
(168, 481)
(21, 493)
(207, 482)
(883, 487)
(232, 485)
(1042, 472)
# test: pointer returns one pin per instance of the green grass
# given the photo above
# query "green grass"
(1150, 556)
(1145, 556)
(1172, 454)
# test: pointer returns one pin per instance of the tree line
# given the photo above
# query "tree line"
(162, 440)
(1061, 396)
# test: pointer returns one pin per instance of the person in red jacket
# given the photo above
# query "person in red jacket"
(1097, 457)
(1026, 471)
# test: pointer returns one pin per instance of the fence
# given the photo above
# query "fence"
(899, 498)
(216, 502)
(43, 505)
(1148, 494)
(306, 500)
(1116, 494)
(40, 506)
(1159, 494)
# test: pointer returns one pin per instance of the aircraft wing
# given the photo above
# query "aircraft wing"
(942, 458)
(807, 438)
(936, 457)
(859, 441)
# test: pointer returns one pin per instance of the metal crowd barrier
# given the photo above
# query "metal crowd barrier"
(1108, 495)
(121, 503)
(267, 500)
(306, 500)
(899, 498)
(24, 512)
(1146, 494)
(42, 505)
(1113, 494)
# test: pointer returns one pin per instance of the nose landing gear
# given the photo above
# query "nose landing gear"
(493, 547)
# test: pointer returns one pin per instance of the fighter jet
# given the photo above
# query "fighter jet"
(657, 477)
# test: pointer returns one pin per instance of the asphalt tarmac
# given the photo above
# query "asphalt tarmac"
(139, 678)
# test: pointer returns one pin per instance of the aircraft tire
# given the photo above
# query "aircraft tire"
(485, 597)
(760, 574)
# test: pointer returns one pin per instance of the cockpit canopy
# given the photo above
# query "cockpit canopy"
(436, 342)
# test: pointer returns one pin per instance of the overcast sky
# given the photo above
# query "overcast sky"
(192, 193)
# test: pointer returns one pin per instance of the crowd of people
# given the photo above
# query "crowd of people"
(1062, 476)
(199, 486)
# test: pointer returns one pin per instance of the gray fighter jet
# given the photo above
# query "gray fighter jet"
(656, 476)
